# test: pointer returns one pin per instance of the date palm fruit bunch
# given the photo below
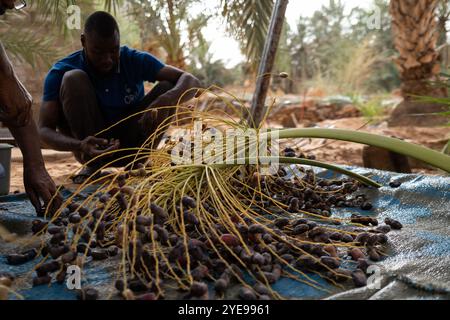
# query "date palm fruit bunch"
(199, 231)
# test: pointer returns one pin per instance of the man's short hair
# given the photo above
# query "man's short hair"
(101, 23)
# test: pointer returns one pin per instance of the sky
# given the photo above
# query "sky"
(225, 48)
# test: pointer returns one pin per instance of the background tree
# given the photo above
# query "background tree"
(162, 24)
(319, 51)
(201, 60)
(248, 22)
(37, 36)
(336, 51)
(299, 49)
(43, 28)
(283, 63)
(415, 32)
(443, 48)
(386, 78)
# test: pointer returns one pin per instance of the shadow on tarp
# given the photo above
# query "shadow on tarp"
(418, 265)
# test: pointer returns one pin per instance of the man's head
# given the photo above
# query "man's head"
(6, 4)
(101, 42)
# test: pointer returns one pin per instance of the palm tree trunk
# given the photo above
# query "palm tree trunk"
(415, 32)
(259, 108)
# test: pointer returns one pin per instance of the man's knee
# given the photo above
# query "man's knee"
(76, 90)
(75, 79)
(79, 104)
(76, 84)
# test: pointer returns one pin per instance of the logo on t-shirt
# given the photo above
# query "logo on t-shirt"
(130, 97)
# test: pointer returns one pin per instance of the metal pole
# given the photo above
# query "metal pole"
(259, 108)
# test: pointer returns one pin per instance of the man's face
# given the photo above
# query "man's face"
(103, 54)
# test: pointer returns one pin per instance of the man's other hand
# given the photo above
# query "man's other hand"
(39, 186)
(93, 147)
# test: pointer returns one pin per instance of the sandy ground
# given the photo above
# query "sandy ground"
(62, 165)
(59, 165)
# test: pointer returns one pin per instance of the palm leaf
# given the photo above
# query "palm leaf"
(25, 46)
(35, 47)
(113, 5)
(248, 21)
(55, 10)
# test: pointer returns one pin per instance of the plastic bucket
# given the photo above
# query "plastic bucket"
(5, 168)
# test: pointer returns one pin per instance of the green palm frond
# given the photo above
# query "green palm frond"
(248, 21)
(55, 10)
(27, 36)
(35, 46)
(25, 46)
(113, 5)
(47, 8)
(55, 7)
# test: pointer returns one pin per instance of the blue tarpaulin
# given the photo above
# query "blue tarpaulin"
(418, 265)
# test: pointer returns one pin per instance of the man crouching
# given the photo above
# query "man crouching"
(102, 84)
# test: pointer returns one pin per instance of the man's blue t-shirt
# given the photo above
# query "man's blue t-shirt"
(117, 94)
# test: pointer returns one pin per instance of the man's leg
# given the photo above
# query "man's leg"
(82, 115)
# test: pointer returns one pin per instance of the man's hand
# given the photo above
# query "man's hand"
(93, 147)
(39, 186)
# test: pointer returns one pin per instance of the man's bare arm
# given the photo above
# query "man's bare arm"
(15, 112)
(27, 139)
(15, 101)
(48, 123)
(184, 83)
(6, 68)
(38, 183)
